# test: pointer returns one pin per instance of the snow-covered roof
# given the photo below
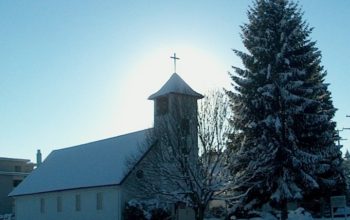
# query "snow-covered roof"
(14, 159)
(175, 85)
(93, 164)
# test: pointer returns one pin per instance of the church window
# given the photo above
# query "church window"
(77, 203)
(59, 203)
(99, 201)
(162, 106)
(185, 126)
(42, 205)
(139, 174)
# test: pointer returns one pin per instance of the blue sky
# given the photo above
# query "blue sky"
(78, 71)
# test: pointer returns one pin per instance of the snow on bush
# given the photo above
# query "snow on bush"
(150, 209)
(299, 214)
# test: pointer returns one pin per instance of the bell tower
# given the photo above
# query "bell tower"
(175, 110)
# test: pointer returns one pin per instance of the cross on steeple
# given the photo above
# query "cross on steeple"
(175, 58)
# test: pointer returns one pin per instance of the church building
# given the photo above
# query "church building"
(89, 181)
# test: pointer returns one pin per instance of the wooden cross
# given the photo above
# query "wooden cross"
(175, 58)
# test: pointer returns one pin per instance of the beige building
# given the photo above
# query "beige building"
(12, 172)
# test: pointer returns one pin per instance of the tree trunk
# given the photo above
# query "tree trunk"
(284, 210)
(199, 211)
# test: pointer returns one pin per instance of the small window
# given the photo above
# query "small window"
(162, 106)
(77, 203)
(185, 126)
(99, 201)
(42, 205)
(18, 169)
(139, 174)
(16, 183)
(59, 204)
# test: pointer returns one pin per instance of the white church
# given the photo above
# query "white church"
(88, 181)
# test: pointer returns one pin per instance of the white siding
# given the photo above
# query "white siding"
(28, 207)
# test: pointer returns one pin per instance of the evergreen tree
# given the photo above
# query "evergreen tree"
(346, 167)
(283, 149)
(347, 155)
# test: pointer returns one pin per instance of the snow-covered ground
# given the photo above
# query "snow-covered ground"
(299, 214)
(290, 218)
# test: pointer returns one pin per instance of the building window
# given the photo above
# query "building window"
(18, 169)
(185, 126)
(77, 203)
(42, 205)
(13, 206)
(59, 204)
(99, 201)
(162, 106)
(16, 183)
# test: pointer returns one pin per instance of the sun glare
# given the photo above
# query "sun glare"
(200, 69)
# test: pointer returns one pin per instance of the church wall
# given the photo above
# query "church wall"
(130, 185)
(180, 111)
(45, 205)
(185, 107)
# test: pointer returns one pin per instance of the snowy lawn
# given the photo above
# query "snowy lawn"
(298, 214)
(290, 218)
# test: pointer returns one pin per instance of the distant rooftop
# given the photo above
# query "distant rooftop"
(14, 159)
(14, 173)
(176, 85)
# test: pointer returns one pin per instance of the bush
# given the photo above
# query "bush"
(218, 212)
(132, 212)
(160, 214)
(146, 210)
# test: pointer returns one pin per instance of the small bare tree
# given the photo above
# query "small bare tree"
(181, 167)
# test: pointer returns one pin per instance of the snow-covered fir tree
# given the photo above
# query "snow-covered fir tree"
(346, 166)
(347, 155)
(283, 149)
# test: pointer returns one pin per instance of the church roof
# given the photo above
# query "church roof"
(99, 163)
(175, 85)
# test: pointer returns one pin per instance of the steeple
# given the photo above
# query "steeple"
(175, 85)
(175, 108)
